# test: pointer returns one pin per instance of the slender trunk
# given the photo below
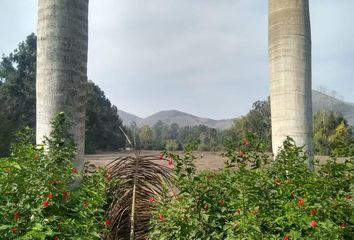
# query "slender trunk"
(289, 46)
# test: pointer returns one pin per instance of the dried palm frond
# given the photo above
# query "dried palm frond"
(136, 182)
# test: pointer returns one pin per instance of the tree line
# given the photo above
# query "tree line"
(18, 103)
(332, 133)
(173, 137)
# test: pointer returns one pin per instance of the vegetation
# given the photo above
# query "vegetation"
(102, 123)
(250, 199)
(284, 200)
(332, 135)
(35, 199)
(137, 181)
(257, 121)
(17, 92)
(18, 103)
(172, 137)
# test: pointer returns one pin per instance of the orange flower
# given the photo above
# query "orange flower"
(74, 170)
(342, 226)
(313, 223)
(314, 211)
(161, 217)
(65, 195)
(152, 200)
(301, 202)
(14, 230)
(286, 237)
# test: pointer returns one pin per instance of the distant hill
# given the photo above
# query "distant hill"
(128, 118)
(320, 101)
(173, 116)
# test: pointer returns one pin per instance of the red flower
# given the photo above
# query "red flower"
(342, 225)
(286, 237)
(314, 211)
(301, 202)
(161, 157)
(16, 215)
(45, 203)
(56, 238)
(14, 230)
(107, 222)
(152, 200)
(313, 223)
(170, 162)
(50, 195)
(65, 195)
(74, 171)
(161, 217)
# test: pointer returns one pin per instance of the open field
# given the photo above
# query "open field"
(205, 160)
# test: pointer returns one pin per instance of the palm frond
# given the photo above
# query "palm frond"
(136, 180)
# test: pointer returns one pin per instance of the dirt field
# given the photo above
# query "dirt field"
(206, 160)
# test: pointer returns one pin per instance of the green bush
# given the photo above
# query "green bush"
(282, 200)
(36, 201)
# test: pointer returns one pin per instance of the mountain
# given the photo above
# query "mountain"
(128, 118)
(173, 116)
(320, 101)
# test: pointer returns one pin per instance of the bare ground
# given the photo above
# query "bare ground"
(205, 160)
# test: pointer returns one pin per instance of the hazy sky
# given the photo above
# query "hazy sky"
(204, 57)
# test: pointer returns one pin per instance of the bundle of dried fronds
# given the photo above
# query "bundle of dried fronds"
(136, 182)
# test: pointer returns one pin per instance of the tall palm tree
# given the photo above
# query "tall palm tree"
(289, 46)
(62, 67)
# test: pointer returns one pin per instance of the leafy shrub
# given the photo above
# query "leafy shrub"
(283, 200)
(36, 201)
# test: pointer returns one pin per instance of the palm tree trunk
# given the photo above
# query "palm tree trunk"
(289, 47)
(62, 67)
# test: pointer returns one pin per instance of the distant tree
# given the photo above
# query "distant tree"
(172, 145)
(256, 121)
(341, 141)
(18, 103)
(324, 126)
(17, 91)
(146, 137)
(102, 123)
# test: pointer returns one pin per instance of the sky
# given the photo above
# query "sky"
(204, 57)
